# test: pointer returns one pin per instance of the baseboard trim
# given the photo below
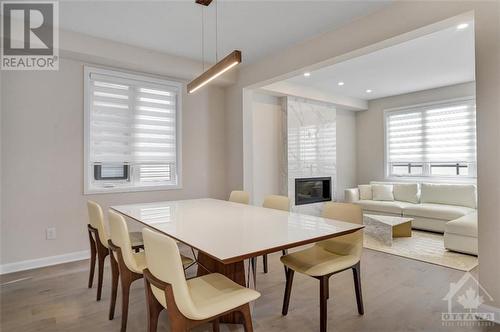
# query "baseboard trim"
(43, 262)
(490, 309)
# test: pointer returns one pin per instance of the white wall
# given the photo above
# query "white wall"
(42, 159)
(346, 152)
(268, 147)
(370, 124)
(388, 26)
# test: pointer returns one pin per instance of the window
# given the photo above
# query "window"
(132, 134)
(437, 140)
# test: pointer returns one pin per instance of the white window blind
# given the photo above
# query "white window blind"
(133, 122)
(434, 140)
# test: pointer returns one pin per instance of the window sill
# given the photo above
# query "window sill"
(431, 179)
(101, 190)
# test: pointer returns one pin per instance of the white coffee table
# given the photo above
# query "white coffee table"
(385, 228)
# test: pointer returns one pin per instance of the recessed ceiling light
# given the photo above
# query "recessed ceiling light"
(462, 26)
(368, 91)
(307, 74)
(340, 83)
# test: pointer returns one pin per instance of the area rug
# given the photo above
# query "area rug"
(426, 247)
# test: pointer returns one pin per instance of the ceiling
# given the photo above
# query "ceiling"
(257, 28)
(438, 59)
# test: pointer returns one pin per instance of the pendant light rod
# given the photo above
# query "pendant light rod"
(215, 71)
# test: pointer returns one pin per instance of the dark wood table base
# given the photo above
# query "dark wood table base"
(234, 271)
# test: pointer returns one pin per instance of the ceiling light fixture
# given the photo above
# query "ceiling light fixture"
(462, 26)
(340, 83)
(368, 91)
(215, 71)
(307, 74)
(221, 66)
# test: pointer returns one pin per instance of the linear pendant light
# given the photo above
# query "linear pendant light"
(216, 70)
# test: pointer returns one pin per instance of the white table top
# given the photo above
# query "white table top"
(389, 220)
(231, 232)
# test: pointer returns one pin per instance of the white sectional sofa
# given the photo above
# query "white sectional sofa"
(444, 208)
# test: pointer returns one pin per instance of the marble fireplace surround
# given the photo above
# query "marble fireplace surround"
(311, 147)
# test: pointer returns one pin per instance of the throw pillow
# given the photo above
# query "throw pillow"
(382, 192)
(365, 191)
(406, 192)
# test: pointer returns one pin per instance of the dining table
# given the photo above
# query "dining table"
(225, 233)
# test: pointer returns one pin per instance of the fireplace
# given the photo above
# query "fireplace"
(313, 190)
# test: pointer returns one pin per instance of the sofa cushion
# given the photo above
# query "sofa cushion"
(437, 211)
(406, 192)
(450, 194)
(365, 191)
(466, 225)
(383, 206)
(382, 192)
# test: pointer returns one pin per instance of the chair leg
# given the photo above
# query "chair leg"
(356, 271)
(247, 318)
(154, 308)
(215, 325)
(93, 254)
(115, 274)
(253, 260)
(264, 261)
(323, 300)
(285, 252)
(288, 291)
(100, 265)
(126, 281)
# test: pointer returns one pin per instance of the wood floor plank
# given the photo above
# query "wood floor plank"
(399, 295)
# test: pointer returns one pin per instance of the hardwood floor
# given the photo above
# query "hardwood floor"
(399, 295)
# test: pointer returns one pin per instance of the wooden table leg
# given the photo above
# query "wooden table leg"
(234, 271)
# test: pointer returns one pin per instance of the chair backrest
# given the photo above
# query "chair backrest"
(96, 220)
(120, 237)
(350, 244)
(277, 202)
(239, 196)
(343, 211)
(164, 262)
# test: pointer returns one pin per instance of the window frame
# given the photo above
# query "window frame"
(88, 188)
(426, 169)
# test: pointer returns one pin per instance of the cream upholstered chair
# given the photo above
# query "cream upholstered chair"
(328, 257)
(125, 264)
(189, 302)
(98, 237)
(239, 196)
(276, 202)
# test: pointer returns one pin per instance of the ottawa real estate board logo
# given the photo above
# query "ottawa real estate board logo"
(30, 36)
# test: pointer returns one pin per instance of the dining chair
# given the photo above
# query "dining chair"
(98, 238)
(192, 302)
(329, 257)
(239, 196)
(276, 202)
(126, 264)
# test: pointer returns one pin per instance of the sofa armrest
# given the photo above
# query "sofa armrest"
(351, 195)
